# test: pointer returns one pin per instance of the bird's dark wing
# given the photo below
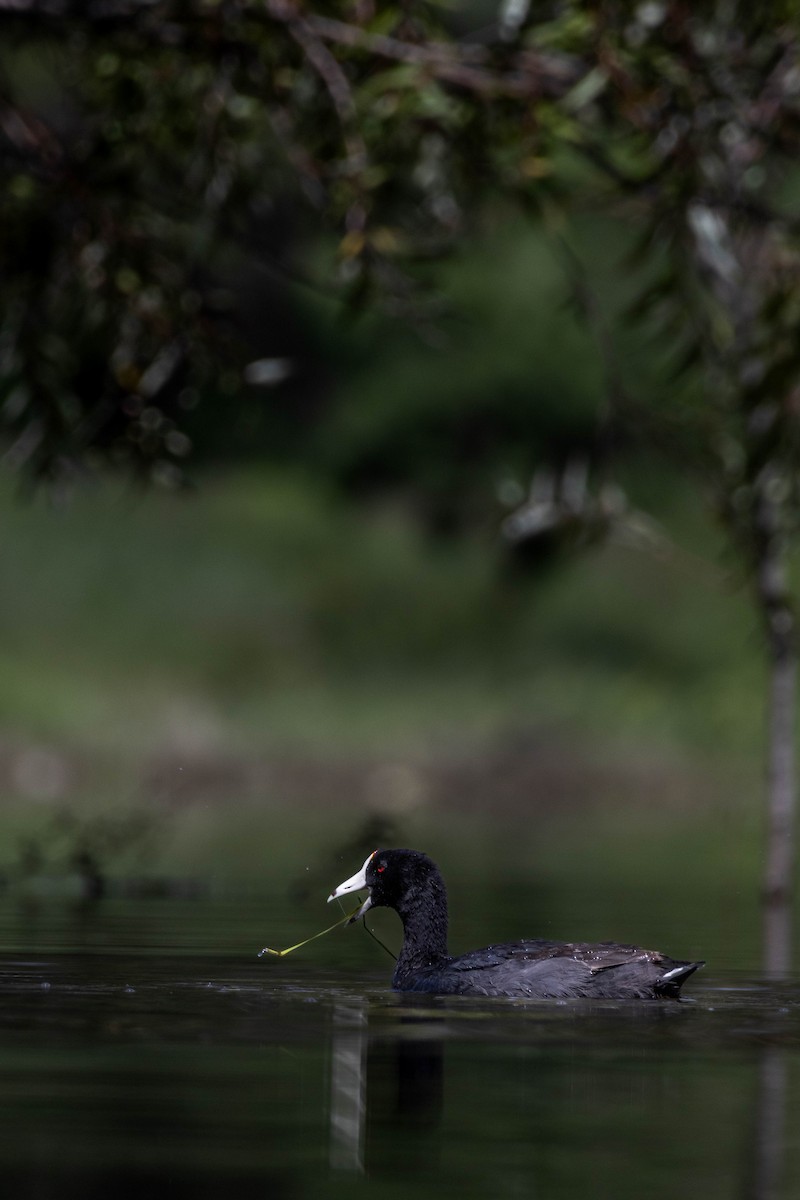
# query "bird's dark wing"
(546, 969)
(594, 956)
(604, 955)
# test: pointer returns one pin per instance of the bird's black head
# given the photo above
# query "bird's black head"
(393, 875)
(394, 879)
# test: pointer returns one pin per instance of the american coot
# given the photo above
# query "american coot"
(410, 883)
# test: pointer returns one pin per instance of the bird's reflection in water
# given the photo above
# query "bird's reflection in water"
(386, 1085)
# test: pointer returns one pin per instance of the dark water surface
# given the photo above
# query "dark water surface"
(144, 1050)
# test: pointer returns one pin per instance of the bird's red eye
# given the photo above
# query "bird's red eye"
(379, 869)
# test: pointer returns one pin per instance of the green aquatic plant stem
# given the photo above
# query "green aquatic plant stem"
(314, 936)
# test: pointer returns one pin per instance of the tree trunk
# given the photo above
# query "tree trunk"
(779, 863)
(774, 599)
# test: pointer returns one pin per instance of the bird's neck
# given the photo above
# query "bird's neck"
(424, 916)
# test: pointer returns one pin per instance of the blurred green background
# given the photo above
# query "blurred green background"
(310, 634)
(291, 652)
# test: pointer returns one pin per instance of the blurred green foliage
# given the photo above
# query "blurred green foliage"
(166, 162)
(569, 241)
(265, 613)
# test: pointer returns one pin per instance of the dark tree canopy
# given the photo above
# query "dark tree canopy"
(152, 150)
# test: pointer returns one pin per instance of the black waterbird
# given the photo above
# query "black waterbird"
(411, 883)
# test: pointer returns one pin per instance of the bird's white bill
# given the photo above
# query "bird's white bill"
(364, 907)
(356, 883)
